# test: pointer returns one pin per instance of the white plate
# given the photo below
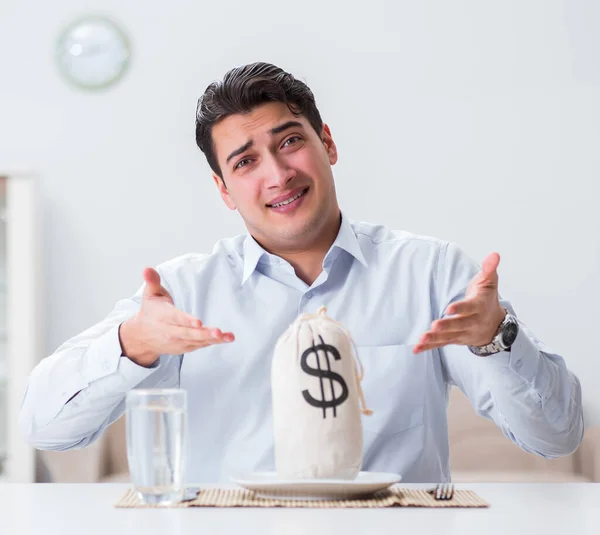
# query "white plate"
(268, 485)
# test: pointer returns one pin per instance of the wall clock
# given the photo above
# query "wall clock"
(93, 52)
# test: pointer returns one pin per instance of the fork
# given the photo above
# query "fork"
(443, 491)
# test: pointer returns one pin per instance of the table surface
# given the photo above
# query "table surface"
(66, 509)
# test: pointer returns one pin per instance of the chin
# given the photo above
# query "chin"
(301, 229)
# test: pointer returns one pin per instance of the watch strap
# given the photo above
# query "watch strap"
(495, 346)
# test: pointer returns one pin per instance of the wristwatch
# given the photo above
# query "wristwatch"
(503, 340)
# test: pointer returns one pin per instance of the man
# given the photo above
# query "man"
(423, 315)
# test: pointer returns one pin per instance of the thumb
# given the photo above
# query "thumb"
(489, 267)
(153, 286)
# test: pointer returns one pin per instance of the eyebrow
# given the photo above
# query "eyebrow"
(274, 131)
(285, 126)
(239, 151)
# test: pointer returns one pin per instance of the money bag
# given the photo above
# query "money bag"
(317, 400)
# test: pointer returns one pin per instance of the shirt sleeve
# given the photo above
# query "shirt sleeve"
(72, 395)
(527, 391)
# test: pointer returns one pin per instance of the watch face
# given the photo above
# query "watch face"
(509, 333)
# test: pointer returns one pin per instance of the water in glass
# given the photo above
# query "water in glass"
(156, 430)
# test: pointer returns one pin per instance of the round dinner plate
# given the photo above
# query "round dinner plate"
(269, 485)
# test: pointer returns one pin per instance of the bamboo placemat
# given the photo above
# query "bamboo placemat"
(392, 497)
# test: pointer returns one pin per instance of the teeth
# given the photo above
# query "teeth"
(288, 201)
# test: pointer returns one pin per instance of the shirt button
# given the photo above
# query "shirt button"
(308, 295)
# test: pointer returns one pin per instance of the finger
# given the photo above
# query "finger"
(176, 333)
(210, 335)
(222, 337)
(454, 324)
(183, 319)
(419, 348)
(226, 338)
(194, 322)
(217, 334)
(430, 340)
(153, 286)
(440, 338)
(467, 307)
(193, 346)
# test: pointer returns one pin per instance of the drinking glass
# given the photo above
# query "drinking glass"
(156, 435)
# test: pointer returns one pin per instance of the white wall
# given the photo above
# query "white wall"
(483, 129)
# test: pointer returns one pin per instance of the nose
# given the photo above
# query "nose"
(278, 173)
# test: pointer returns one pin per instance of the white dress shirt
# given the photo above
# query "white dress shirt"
(385, 287)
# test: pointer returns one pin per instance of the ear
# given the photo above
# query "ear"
(224, 192)
(329, 145)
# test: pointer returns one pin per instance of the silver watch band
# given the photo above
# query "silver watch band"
(495, 346)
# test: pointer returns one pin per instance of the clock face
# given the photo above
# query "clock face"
(93, 52)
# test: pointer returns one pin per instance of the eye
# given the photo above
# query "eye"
(291, 141)
(242, 163)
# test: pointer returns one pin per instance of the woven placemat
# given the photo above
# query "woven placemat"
(392, 497)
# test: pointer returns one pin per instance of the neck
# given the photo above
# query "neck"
(308, 262)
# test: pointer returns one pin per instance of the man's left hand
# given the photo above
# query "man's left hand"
(474, 320)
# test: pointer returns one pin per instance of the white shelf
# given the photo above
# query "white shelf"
(20, 314)
(3, 358)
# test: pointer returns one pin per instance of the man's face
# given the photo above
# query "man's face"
(277, 174)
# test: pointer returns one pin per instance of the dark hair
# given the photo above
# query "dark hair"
(243, 89)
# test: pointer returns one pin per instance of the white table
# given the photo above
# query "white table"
(87, 509)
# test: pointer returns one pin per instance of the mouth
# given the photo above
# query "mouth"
(292, 199)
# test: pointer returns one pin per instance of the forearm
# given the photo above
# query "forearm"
(72, 395)
(538, 399)
(528, 392)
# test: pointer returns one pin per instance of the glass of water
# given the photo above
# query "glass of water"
(156, 443)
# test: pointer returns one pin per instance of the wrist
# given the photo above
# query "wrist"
(498, 319)
(132, 347)
(503, 339)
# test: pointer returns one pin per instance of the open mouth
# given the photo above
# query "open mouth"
(290, 200)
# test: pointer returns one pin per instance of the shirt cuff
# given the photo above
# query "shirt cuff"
(522, 359)
(104, 357)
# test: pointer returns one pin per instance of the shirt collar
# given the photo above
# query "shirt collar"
(346, 240)
(253, 252)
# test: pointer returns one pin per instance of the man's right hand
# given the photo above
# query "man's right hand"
(160, 329)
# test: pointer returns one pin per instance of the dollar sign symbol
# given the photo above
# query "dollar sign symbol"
(324, 374)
